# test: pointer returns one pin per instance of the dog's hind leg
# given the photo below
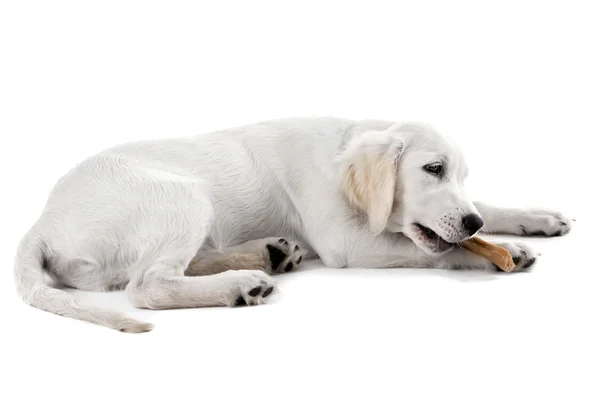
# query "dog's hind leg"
(159, 281)
(163, 286)
(269, 255)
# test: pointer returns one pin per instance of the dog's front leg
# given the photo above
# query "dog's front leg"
(461, 258)
(389, 251)
(523, 222)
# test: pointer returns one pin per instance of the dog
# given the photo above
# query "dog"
(207, 220)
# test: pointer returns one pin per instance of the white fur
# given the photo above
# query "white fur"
(349, 192)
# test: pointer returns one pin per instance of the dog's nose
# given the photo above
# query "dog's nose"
(472, 223)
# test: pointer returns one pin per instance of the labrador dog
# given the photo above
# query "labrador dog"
(207, 220)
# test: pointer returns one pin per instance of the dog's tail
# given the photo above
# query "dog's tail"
(33, 289)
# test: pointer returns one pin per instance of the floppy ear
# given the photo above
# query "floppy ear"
(369, 171)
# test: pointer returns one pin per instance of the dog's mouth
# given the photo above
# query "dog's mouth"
(433, 241)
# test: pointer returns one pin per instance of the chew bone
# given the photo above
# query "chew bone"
(496, 254)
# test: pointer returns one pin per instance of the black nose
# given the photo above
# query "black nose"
(472, 223)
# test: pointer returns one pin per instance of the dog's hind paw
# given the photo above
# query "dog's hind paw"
(284, 255)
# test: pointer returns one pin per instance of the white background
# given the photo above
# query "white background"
(516, 84)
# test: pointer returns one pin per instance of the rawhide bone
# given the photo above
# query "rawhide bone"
(496, 254)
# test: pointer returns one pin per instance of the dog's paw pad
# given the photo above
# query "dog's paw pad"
(240, 301)
(284, 255)
(276, 256)
(529, 263)
(267, 291)
(255, 291)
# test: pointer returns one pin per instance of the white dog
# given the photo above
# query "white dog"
(204, 221)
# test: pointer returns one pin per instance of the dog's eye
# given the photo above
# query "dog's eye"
(435, 169)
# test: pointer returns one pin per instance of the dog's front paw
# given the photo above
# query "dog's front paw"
(523, 256)
(284, 255)
(545, 223)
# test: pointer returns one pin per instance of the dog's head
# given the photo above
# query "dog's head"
(409, 178)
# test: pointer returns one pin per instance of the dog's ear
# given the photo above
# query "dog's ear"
(369, 171)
